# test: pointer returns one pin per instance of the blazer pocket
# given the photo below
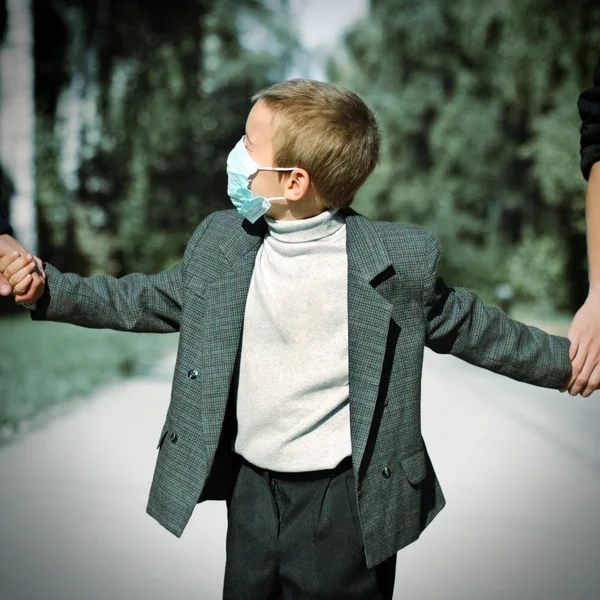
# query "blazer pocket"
(415, 466)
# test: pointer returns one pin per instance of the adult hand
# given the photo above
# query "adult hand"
(584, 334)
(8, 244)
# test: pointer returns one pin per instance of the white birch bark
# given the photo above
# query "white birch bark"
(17, 119)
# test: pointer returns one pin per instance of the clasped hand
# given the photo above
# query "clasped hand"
(24, 276)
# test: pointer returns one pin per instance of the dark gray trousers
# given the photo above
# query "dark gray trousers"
(296, 536)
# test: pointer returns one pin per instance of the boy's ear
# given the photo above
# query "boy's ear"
(297, 185)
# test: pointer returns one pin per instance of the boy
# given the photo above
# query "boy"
(296, 392)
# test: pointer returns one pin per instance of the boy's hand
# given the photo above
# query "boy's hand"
(18, 272)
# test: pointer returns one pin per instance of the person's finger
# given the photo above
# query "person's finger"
(15, 266)
(591, 368)
(21, 287)
(30, 293)
(577, 363)
(7, 259)
(14, 279)
(7, 273)
(586, 363)
(593, 382)
(24, 288)
(4, 286)
(34, 292)
(574, 346)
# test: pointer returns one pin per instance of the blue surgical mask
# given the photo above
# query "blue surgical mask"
(240, 167)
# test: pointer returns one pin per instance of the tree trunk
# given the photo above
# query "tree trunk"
(17, 120)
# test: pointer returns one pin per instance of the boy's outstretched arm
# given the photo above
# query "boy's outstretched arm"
(135, 302)
(459, 323)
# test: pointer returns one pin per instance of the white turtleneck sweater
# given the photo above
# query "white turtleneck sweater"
(292, 398)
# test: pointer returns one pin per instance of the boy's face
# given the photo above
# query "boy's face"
(259, 144)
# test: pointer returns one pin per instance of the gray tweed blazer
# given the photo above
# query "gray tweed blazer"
(397, 305)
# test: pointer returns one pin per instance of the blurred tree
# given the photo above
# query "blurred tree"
(151, 101)
(17, 115)
(477, 102)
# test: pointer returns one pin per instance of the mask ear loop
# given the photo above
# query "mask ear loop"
(274, 169)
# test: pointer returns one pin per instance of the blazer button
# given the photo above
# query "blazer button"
(193, 373)
(386, 472)
(173, 436)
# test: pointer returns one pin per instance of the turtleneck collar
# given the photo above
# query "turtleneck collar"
(306, 230)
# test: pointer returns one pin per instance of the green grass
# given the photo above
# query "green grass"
(44, 364)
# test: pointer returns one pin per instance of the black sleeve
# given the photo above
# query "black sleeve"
(588, 104)
(4, 224)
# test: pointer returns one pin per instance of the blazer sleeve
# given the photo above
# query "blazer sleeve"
(135, 302)
(459, 323)
(588, 105)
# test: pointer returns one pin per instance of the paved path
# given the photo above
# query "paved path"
(519, 465)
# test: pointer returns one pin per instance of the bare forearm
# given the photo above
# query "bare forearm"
(593, 228)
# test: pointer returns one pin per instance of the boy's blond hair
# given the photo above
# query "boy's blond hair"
(326, 130)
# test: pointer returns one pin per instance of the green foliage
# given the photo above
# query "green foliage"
(536, 269)
(477, 103)
(166, 97)
(51, 194)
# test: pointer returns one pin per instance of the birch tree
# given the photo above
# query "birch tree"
(17, 119)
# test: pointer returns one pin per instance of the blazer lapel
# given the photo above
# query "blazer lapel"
(225, 306)
(369, 314)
